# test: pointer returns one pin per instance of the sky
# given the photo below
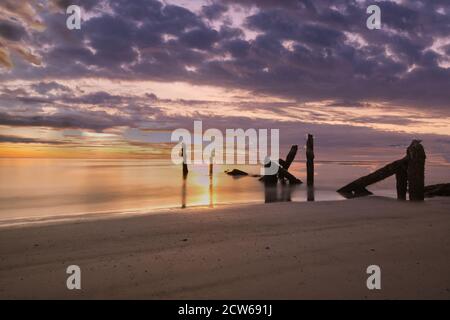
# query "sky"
(136, 70)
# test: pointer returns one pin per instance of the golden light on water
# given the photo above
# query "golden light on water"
(202, 187)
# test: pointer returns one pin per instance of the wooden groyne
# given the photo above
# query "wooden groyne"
(310, 160)
(409, 172)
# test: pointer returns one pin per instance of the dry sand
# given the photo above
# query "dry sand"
(274, 251)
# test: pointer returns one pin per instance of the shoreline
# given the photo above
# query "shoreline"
(101, 215)
(113, 214)
(105, 215)
(283, 250)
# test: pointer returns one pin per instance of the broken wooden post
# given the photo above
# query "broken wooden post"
(289, 176)
(416, 170)
(269, 179)
(289, 158)
(310, 160)
(282, 174)
(285, 164)
(401, 178)
(358, 187)
(184, 155)
(437, 190)
(409, 172)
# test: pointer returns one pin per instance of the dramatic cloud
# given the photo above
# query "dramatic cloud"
(295, 61)
(302, 49)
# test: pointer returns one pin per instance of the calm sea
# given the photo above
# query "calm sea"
(31, 188)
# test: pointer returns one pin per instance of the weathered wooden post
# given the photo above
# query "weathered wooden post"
(211, 162)
(357, 188)
(289, 158)
(401, 177)
(416, 170)
(310, 160)
(282, 172)
(184, 155)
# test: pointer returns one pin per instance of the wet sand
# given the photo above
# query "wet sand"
(314, 250)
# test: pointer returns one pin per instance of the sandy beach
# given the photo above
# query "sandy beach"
(263, 251)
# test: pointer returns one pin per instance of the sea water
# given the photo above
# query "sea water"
(31, 188)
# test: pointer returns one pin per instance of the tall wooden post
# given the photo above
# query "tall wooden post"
(401, 178)
(416, 170)
(184, 155)
(310, 160)
(211, 160)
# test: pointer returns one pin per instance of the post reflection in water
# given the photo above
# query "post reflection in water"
(211, 192)
(273, 193)
(201, 187)
(201, 190)
(183, 192)
(310, 195)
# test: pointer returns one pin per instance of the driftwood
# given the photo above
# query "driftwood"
(437, 190)
(236, 173)
(310, 160)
